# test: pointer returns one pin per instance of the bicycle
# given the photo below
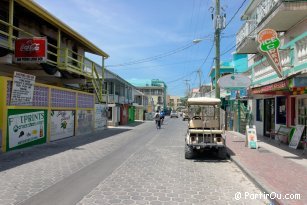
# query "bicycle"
(158, 124)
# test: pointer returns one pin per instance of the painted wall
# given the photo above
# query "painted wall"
(62, 124)
(100, 117)
(50, 100)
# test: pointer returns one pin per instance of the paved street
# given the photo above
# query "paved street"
(126, 165)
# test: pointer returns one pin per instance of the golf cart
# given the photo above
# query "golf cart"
(204, 128)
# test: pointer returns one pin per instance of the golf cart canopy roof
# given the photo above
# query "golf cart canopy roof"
(203, 101)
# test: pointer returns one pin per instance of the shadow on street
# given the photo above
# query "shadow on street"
(22, 156)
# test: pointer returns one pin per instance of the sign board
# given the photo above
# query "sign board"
(299, 129)
(26, 126)
(62, 124)
(251, 137)
(237, 94)
(282, 85)
(101, 116)
(269, 44)
(234, 81)
(23, 88)
(31, 50)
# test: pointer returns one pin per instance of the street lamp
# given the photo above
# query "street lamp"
(195, 41)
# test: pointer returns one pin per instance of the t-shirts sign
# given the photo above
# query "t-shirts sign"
(23, 88)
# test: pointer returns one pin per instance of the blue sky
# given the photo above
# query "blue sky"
(131, 30)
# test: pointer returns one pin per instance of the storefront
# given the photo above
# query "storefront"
(52, 113)
(272, 103)
(298, 100)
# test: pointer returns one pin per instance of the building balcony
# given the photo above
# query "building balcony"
(66, 64)
(279, 15)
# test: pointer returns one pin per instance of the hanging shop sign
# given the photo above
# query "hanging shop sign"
(26, 127)
(234, 81)
(251, 137)
(269, 44)
(23, 89)
(62, 124)
(282, 85)
(31, 50)
(101, 116)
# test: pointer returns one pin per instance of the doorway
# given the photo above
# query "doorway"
(269, 116)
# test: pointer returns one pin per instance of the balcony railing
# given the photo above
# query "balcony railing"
(62, 58)
(264, 8)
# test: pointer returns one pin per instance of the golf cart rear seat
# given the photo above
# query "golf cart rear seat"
(196, 124)
(199, 124)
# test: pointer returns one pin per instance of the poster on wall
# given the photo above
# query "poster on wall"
(101, 116)
(251, 137)
(299, 129)
(62, 124)
(25, 127)
(85, 122)
(23, 89)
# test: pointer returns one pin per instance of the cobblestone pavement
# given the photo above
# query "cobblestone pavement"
(159, 174)
(30, 171)
(156, 173)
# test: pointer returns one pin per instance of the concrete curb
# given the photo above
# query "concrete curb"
(254, 179)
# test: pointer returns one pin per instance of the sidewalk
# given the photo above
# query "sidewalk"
(274, 168)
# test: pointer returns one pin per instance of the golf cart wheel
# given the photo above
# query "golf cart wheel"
(222, 153)
(188, 152)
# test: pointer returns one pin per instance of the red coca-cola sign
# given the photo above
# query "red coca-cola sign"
(31, 50)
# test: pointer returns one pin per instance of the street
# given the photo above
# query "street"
(124, 165)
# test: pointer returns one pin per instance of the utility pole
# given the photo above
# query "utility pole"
(199, 71)
(218, 26)
(188, 87)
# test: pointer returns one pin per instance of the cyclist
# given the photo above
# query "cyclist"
(162, 115)
(157, 119)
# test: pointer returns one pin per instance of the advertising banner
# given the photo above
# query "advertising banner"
(269, 44)
(62, 124)
(251, 137)
(26, 127)
(100, 116)
(282, 85)
(31, 50)
(23, 89)
(85, 121)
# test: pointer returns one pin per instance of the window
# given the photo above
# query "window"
(259, 110)
(302, 113)
(281, 110)
(111, 88)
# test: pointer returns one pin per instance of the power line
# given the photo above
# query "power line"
(152, 58)
(180, 78)
(208, 54)
(242, 4)
(224, 52)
